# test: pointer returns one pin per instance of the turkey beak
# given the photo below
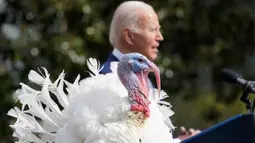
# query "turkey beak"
(156, 71)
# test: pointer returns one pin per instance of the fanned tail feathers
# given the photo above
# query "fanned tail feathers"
(40, 117)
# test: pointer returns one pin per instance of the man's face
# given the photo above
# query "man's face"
(146, 41)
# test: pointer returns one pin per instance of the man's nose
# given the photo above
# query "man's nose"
(159, 36)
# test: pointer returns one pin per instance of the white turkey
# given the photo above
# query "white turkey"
(118, 107)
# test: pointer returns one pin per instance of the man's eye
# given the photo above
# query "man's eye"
(155, 28)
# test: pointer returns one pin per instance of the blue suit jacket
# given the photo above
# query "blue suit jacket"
(107, 64)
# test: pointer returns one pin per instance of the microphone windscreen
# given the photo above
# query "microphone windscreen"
(229, 75)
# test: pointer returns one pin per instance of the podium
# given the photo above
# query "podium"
(237, 129)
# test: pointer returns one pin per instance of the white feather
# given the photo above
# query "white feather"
(114, 66)
(25, 136)
(35, 77)
(94, 66)
(163, 106)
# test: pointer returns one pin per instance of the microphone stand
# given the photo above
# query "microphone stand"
(253, 107)
(248, 102)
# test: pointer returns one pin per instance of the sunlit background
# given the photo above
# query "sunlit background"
(201, 37)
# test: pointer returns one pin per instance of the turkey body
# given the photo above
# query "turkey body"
(109, 120)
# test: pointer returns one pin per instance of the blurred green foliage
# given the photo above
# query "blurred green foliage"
(200, 38)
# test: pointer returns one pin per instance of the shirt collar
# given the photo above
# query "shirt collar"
(117, 53)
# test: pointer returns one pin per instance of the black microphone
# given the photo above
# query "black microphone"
(236, 79)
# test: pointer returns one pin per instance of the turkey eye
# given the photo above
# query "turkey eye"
(140, 60)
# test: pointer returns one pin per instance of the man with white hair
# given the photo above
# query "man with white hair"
(135, 28)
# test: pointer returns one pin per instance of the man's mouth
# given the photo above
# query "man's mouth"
(155, 48)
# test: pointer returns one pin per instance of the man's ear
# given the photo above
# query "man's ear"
(127, 35)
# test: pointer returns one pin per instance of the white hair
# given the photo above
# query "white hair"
(125, 16)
